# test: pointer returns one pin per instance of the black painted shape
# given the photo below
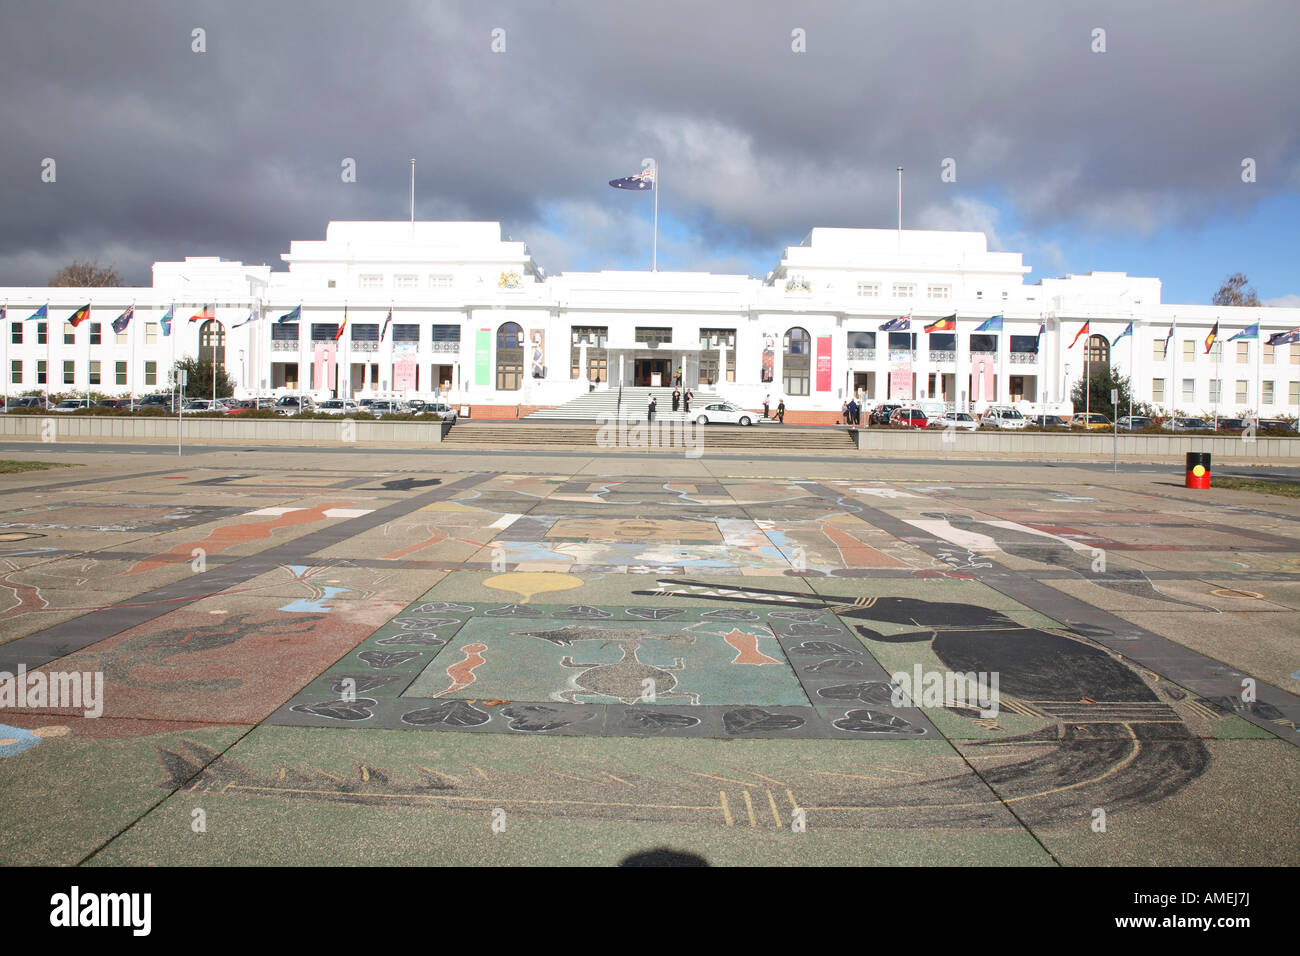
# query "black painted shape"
(1239, 707)
(583, 612)
(739, 614)
(838, 667)
(513, 610)
(806, 617)
(657, 721)
(406, 484)
(434, 606)
(653, 613)
(538, 718)
(872, 722)
(358, 685)
(382, 660)
(424, 623)
(755, 720)
(421, 638)
(876, 692)
(821, 648)
(360, 709)
(813, 629)
(453, 713)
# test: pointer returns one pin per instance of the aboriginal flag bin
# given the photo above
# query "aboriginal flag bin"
(1198, 469)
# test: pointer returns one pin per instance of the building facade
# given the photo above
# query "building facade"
(452, 310)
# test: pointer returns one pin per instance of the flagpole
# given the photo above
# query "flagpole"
(1087, 378)
(7, 372)
(130, 365)
(654, 253)
(1259, 384)
(1218, 376)
(49, 357)
(900, 209)
(412, 195)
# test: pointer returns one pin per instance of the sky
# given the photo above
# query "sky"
(1127, 158)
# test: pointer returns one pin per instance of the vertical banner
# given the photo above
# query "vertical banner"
(823, 363)
(769, 350)
(323, 368)
(404, 370)
(900, 375)
(981, 377)
(483, 357)
(537, 338)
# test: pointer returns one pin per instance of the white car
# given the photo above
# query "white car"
(198, 405)
(444, 411)
(68, 405)
(339, 406)
(961, 421)
(726, 412)
(1003, 418)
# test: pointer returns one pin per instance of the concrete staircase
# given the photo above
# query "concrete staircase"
(526, 433)
(592, 406)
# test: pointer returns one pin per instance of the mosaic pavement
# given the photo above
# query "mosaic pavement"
(358, 653)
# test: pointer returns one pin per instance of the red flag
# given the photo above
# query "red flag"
(208, 313)
(1082, 331)
(81, 315)
(339, 334)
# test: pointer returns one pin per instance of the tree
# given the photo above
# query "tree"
(198, 379)
(1234, 291)
(1102, 379)
(86, 275)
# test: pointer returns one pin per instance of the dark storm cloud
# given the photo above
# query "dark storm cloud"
(163, 152)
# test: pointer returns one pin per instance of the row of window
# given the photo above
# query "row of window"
(96, 330)
(403, 281)
(1192, 348)
(94, 373)
(1268, 391)
(907, 290)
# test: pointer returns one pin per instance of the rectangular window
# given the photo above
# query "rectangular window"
(596, 335)
(16, 336)
(1241, 391)
(406, 282)
(938, 291)
(69, 334)
(1158, 350)
(370, 282)
(96, 333)
(654, 336)
(869, 289)
(903, 290)
(1157, 390)
(151, 373)
(69, 373)
(1216, 351)
(439, 282)
(119, 373)
(151, 333)
(1004, 296)
(444, 333)
(284, 332)
(862, 340)
(41, 336)
(1270, 354)
(715, 338)
(406, 333)
(979, 294)
(119, 338)
(1189, 350)
(1293, 390)
(1216, 388)
(40, 372)
(16, 372)
(365, 333)
(94, 373)
(1268, 393)
(323, 331)
(330, 284)
(1243, 353)
(1189, 390)
(1295, 353)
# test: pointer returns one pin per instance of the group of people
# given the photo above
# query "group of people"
(680, 400)
(851, 412)
(780, 409)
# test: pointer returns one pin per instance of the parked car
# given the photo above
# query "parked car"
(196, 405)
(293, 404)
(958, 420)
(1092, 421)
(339, 406)
(113, 403)
(1275, 425)
(1048, 421)
(880, 414)
(1005, 419)
(70, 405)
(30, 401)
(1130, 423)
(1187, 425)
(382, 406)
(726, 413)
(908, 418)
(444, 411)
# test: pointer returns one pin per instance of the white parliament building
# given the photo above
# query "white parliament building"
(475, 321)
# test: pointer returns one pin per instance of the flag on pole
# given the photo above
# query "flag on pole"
(1284, 338)
(1082, 331)
(946, 324)
(252, 314)
(1128, 330)
(900, 324)
(208, 312)
(42, 313)
(1172, 326)
(387, 322)
(992, 324)
(637, 181)
(4, 312)
(1042, 327)
(123, 320)
(81, 315)
(1209, 339)
(1249, 332)
(339, 334)
(166, 321)
(293, 316)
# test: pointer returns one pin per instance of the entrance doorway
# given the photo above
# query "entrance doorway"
(652, 373)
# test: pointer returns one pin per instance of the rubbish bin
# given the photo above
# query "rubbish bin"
(1198, 469)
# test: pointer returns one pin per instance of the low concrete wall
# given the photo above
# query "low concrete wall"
(232, 430)
(1097, 446)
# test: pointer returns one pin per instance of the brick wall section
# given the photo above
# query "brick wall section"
(502, 412)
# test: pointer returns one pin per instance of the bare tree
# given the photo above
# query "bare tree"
(86, 275)
(1235, 291)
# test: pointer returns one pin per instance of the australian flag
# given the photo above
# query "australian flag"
(1284, 338)
(123, 320)
(900, 324)
(642, 180)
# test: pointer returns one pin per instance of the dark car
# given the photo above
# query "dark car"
(113, 403)
(1275, 425)
(1233, 424)
(1132, 423)
(880, 414)
(1048, 421)
(30, 401)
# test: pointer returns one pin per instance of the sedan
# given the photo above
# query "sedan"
(382, 407)
(1187, 425)
(958, 420)
(726, 413)
(69, 405)
(908, 418)
(339, 406)
(1130, 423)
(1049, 421)
(1092, 421)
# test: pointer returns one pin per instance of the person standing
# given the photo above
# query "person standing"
(686, 401)
(844, 413)
(650, 411)
(767, 402)
(677, 397)
(780, 412)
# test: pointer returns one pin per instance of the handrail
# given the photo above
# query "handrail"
(619, 407)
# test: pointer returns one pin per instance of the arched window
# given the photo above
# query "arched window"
(797, 361)
(212, 342)
(1098, 350)
(510, 357)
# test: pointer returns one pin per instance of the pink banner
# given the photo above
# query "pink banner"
(900, 382)
(404, 374)
(823, 363)
(325, 371)
(981, 378)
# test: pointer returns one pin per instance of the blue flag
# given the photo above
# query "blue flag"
(387, 322)
(42, 313)
(1284, 338)
(1127, 331)
(1249, 332)
(993, 324)
(901, 324)
(638, 181)
(123, 320)
(166, 321)
(293, 316)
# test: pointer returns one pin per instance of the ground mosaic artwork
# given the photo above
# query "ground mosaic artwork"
(758, 669)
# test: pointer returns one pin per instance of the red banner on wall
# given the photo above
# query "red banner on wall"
(823, 363)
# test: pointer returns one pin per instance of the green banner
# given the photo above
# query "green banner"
(483, 357)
